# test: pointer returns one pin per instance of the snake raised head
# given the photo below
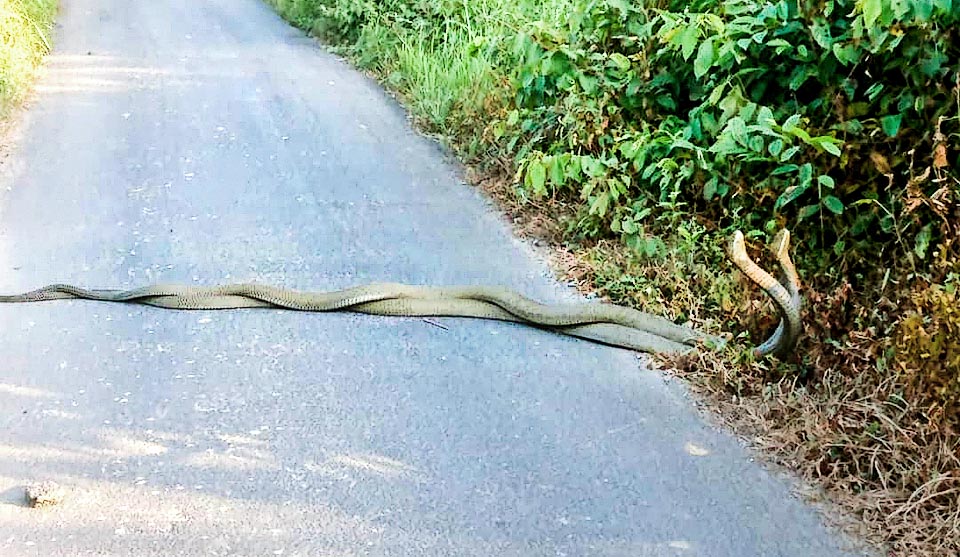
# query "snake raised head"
(600, 322)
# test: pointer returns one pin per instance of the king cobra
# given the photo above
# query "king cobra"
(600, 322)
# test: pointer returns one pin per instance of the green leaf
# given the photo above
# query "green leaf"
(725, 145)
(808, 211)
(825, 181)
(710, 189)
(789, 153)
(731, 103)
(900, 8)
(592, 166)
(891, 124)
(805, 175)
(846, 54)
(621, 61)
(704, 59)
(923, 9)
(716, 94)
(666, 101)
(789, 196)
(688, 41)
(780, 45)
(630, 149)
(588, 83)
(791, 123)
(573, 168)
(783, 9)
(775, 147)
(546, 65)
(587, 189)
(784, 169)
(737, 129)
(537, 177)
(802, 135)
(557, 174)
(709, 123)
(831, 147)
(821, 34)
(649, 171)
(833, 204)
(871, 11)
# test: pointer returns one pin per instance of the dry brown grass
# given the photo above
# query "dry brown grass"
(851, 435)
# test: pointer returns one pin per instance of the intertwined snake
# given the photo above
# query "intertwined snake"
(600, 322)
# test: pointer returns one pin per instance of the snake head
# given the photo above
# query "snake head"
(781, 245)
(737, 248)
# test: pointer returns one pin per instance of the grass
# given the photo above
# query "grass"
(838, 415)
(444, 72)
(24, 39)
(439, 76)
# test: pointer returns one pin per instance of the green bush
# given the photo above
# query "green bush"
(836, 118)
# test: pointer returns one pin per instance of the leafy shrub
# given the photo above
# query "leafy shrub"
(837, 118)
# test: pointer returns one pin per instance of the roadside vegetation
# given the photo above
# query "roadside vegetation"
(24, 38)
(635, 136)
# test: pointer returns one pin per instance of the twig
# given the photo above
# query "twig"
(435, 324)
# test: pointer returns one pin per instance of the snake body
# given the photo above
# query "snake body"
(785, 294)
(600, 322)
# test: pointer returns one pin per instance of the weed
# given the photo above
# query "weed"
(24, 39)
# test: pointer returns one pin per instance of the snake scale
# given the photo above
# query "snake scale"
(600, 322)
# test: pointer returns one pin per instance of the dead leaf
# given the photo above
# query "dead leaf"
(940, 156)
(881, 162)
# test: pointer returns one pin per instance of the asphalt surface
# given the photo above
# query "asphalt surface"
(208, 142)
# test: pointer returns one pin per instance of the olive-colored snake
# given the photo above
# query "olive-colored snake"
(600, 322)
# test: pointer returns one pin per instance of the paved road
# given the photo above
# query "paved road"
(206, 142)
